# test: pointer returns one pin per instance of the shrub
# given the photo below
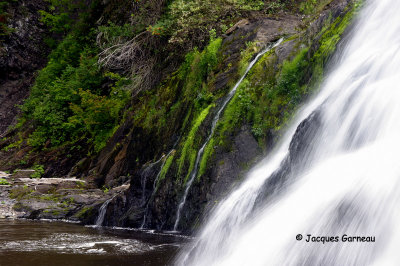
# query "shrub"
(4, 182)
(69, 104)
(4, 16)
(39, 171)
(192, 20)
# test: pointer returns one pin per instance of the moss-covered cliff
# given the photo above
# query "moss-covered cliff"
(125, 96)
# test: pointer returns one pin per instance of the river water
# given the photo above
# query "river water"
(57, 243)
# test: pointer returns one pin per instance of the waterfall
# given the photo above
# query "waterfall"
(335, 173)
(146, 172)
(103, 211)
(214, 124)
(155, 184)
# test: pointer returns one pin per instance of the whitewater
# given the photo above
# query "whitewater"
(335, 172)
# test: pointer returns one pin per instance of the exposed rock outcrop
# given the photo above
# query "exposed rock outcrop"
(227, 166)
(22, 53)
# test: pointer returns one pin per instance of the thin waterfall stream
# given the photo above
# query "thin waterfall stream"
(214, 124)
(164, 158)
(103, 211)
(329, 193)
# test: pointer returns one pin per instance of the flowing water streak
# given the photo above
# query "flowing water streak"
(349, 182)
(145, 174)
(103, 211)
(155, 184)
(214, 124)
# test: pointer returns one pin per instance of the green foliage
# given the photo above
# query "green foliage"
(197, 67)
(307, 7)
(194, 18)
(4, 182)
(246, 55)
(39, 171)
(113, 33)
(4, 16)
(20, 192)
(97, 116)
(193, 75)
(330, 36)
(186, 93)
(16, 144)
(59, 16)
(189, 147)
(59, 23)
(237, 110)
(312, 6)
(208, 151)
(84, 212)
(265, 100)
(166, 166)
(290, 79)
(67, 102)
(105, 189)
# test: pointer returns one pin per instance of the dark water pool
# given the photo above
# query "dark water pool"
(56, 243)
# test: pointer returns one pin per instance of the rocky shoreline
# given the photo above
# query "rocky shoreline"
(51, 198)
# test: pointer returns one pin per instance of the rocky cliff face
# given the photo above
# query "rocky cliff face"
(22, 53)
(228, 164)
(144, 167)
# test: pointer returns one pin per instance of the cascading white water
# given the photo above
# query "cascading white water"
(346, 179)
(214, 124)
(103, 211)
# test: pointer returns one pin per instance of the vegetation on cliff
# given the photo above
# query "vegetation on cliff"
(116, 75)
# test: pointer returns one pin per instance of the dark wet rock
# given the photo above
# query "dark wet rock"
(295, 161)
(226, 171)
(131, 148)
(130, 154)
(22, 53)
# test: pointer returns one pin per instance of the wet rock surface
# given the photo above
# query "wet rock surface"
(51, 198)
(128, 165)
(22, 53)
(228, 166)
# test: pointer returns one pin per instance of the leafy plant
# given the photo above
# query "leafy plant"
(4, 182)
(105, 189)
(38, 171)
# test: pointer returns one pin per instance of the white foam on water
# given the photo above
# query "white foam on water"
(348, 180)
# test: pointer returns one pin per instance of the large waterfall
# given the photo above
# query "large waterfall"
(335, 173)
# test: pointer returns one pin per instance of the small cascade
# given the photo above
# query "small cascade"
(147, 171)
(103, 211)
(155, 185)
(214, 124)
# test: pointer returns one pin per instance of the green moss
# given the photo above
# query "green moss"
(330, 36)
(20, 193)
(84, 212)
(208, 151)
(167, 165)
(4, 182)
(313, 6)
(267, 98)
(49, 197)
(185, 94)
(202, 17)
(38, 171)
(192, 160)
(246, 56)
(188, 145)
